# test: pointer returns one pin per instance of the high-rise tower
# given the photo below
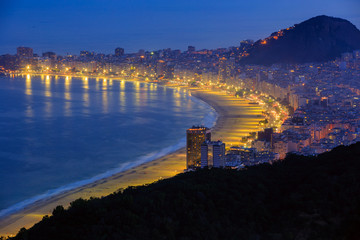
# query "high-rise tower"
(25, 52)
(212, 154)
(119, 52)
(195, 136)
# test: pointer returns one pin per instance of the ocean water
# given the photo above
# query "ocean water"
(58, 133)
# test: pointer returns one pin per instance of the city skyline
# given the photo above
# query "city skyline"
(72, 26)
(217, 108)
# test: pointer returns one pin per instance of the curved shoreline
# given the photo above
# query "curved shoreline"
(233, 115)
(148, 157)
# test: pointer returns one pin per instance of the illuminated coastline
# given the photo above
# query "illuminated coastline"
(227, 127)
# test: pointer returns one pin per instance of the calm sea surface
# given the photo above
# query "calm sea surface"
(60, 133)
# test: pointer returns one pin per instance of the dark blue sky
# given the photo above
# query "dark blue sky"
(68, 26)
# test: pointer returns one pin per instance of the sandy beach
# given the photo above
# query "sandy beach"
(236, 118)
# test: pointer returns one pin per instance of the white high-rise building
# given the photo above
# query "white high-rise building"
(213, 154)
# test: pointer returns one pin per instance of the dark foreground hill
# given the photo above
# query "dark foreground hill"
(318, 39)
(299, 198)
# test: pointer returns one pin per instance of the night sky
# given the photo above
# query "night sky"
(68, 26)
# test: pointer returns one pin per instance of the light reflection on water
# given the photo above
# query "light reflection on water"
(137, 93)
(122, 96)
(85, 82)
(144, 94)
(58, 131)
(48, 109)
(97, 84)
(67, 88)
(86, 100)
(48, 86)
(28, 90)
(177, 99)
(105, 95)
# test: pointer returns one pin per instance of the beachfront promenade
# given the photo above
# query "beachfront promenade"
(236, 118)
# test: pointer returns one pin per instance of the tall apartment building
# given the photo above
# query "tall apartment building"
(119, 52)
(212, 154)
(25, 52)
(195, 136)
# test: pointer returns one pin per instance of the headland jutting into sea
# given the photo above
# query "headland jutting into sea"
(236, 118)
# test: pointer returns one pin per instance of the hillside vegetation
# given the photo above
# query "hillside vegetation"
(318, 39)
(298, 198)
